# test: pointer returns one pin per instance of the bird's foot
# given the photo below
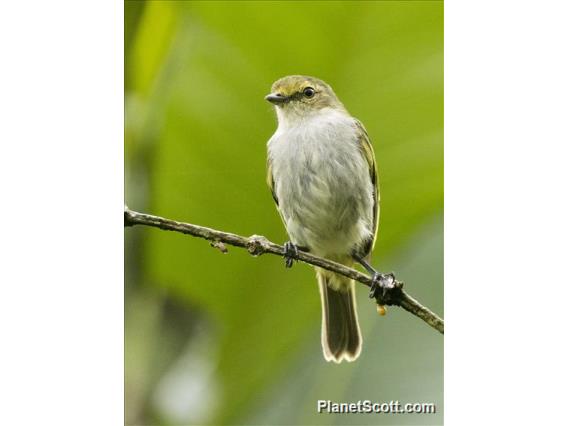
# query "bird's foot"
(381, 284)
(290, 253)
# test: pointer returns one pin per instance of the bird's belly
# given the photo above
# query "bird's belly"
(327, 203)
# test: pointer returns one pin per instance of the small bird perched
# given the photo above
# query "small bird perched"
(323, 178)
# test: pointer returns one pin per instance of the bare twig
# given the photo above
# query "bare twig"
(257, 245)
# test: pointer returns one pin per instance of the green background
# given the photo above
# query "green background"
(232, 339)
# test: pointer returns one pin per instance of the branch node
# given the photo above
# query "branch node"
(257, 245)
(391, 296)
(220, 246)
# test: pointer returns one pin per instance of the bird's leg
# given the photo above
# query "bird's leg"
(383, 281)
(290, 253)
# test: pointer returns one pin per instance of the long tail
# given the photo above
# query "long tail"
(340, 334)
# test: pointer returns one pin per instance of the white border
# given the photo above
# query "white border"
(61, 177)
(505, 212)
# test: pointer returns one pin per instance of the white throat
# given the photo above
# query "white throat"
(292, 118)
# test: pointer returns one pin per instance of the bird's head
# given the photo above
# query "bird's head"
(299, 96)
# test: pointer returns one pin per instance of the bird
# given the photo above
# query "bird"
(323, 177)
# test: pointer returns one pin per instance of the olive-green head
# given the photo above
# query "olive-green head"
(300, 95)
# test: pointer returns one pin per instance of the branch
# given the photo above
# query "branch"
(257, 245)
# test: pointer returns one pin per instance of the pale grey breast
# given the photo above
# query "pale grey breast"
(322, 183)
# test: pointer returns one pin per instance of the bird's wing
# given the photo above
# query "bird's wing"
(367, 150)
(270, 180)
(271, 185)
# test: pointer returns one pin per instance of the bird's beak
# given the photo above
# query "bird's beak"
(276, 98)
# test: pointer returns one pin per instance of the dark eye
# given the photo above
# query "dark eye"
(309, 92)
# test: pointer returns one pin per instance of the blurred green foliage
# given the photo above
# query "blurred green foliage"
(196, 129)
